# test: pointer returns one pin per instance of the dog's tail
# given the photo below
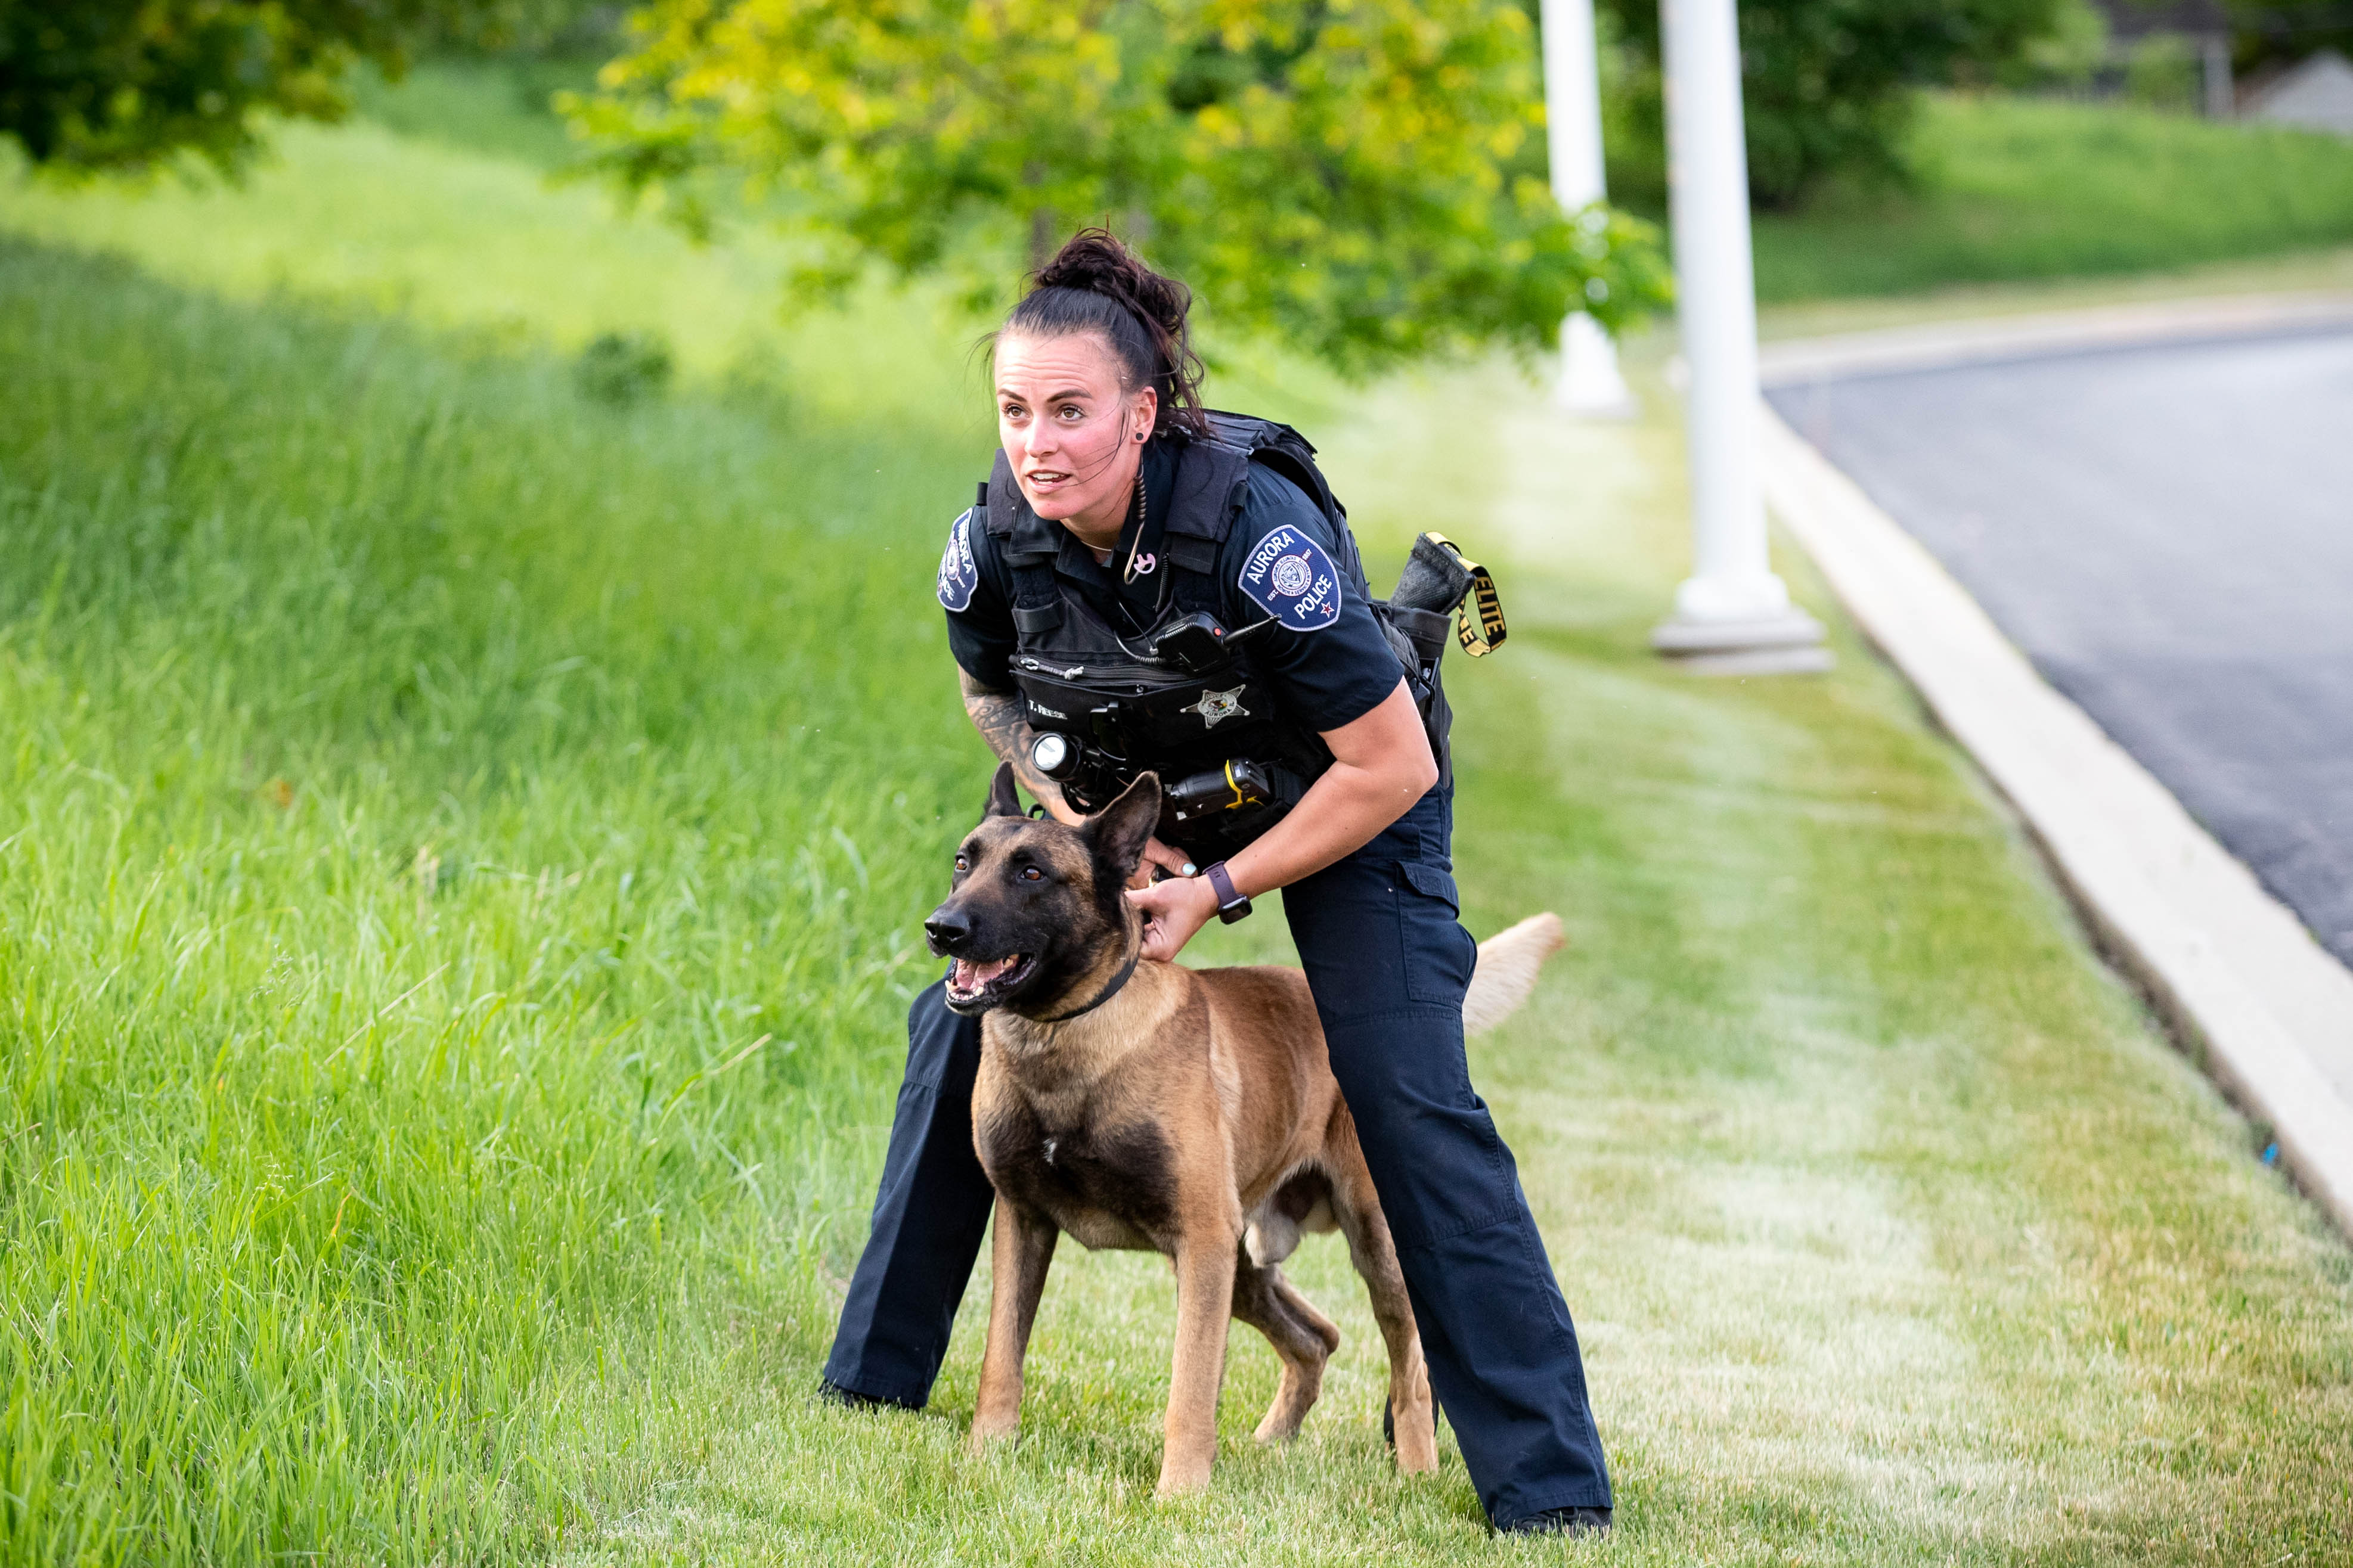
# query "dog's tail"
(1508, 962)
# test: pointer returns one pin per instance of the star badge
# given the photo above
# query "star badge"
(1216, 705)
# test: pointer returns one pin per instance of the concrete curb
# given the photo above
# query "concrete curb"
(2231, 967)
(1989, 339)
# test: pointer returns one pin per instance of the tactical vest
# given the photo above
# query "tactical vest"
(1183, 697)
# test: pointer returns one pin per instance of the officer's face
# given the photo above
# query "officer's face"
(1069, 432)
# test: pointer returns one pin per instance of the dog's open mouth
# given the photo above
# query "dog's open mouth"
(973, 985)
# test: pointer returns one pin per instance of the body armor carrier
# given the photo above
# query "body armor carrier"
(1183, 697)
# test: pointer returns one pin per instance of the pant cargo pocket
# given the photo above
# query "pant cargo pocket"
(1439, 953)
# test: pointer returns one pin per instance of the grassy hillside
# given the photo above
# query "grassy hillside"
(501, 105)
(460, 848)
(2015, 188)
(421, 786)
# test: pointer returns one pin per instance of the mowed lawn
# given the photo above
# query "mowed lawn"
(2013, 188)
(461, 845)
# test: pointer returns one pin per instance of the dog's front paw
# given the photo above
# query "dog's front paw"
(1413, 1433)
(1181, 1478)
(987, 1432)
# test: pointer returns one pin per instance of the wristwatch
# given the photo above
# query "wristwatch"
(1232, 905)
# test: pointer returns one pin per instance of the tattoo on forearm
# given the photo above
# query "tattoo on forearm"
(1000, 718)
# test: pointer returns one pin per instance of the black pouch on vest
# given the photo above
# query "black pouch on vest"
(1417, 620)
(1434, 580)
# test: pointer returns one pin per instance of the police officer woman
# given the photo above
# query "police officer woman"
(1122, 514)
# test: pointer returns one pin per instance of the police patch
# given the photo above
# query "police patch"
(959, 573)
(1290, 578)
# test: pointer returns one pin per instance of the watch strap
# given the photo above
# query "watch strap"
(1231, 904)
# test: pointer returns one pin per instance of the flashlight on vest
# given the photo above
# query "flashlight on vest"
(1054, 755)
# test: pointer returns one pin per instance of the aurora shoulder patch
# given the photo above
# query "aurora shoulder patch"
(1289, 578)
(959, 573)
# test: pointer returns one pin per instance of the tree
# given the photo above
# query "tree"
(116, 84)
(1827, 84)
(2274, 33)
(1361, 178)
(94, 84)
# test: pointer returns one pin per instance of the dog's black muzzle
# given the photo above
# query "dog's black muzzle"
(947, 930)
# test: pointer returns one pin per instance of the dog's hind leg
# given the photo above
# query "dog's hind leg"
(1304, 1337)
(1021, 1247)
(1359, 1209)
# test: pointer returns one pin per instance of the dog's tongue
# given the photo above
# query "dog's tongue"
(971, 976)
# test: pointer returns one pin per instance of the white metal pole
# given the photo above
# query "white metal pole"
(1589, 382)
(1732, 601)
(2221, 97)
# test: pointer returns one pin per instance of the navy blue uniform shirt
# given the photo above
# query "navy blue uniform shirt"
(1330, 676)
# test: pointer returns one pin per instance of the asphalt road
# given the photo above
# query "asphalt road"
(2168, 533)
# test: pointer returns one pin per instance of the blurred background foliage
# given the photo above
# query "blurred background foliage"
(129, 84)
(120, 83)
(2266, 33)
(1828, 84)
(1364, 183)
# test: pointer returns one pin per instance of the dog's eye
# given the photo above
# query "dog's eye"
(963, 864)
(1031, 874)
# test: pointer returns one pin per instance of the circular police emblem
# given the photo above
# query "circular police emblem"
(1289, 576)
(959, 572)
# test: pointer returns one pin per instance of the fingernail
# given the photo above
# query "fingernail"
(1188, 868)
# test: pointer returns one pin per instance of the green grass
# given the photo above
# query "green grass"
(501, 105)
(492, 250)
(2019, 188)
(420, 786)
(2313, 270)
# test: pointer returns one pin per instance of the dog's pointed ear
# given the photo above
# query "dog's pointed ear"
(1120, 830)
(1004, 800)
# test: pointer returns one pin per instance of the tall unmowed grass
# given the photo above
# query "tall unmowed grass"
(433, 804)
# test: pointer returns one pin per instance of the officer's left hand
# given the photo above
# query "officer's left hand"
(1159, 856)
(1173, 912)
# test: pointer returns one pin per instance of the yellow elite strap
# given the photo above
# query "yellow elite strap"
(1490, 606)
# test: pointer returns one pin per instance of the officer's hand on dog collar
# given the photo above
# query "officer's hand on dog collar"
(1160, 863)
(1173, 912)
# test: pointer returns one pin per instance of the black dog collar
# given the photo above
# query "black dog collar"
(1126, 970)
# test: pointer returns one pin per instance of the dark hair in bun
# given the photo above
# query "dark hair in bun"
(1096, 284)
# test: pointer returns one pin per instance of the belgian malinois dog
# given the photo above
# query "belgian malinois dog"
(1151, 1107)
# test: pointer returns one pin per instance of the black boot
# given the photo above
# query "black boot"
(1561, 1521)
(833, 1393)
